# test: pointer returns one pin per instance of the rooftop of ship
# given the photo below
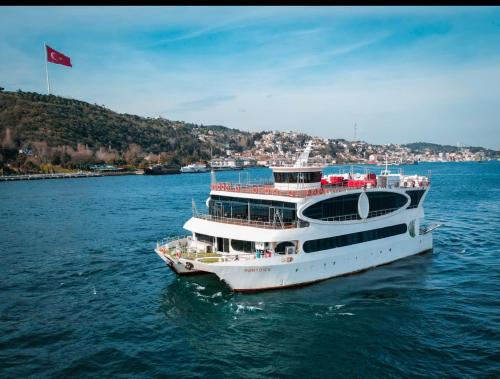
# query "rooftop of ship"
(325, 184)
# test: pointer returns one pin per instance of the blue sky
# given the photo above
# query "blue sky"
(403, 74)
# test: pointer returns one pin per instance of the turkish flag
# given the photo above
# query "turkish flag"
(57, 57)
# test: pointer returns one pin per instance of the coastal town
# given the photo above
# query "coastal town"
(278, 148)
(273, 148)
(44, 135)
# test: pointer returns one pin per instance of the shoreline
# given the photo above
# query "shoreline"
(76, 175)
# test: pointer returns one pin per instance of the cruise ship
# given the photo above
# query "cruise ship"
(302, 227)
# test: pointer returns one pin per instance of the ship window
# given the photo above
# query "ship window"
(245, 246)
(281, 247)
(297, 177)
(353, 238)
(223, 244)
(384, 202)
(337, 208)
(204, 238)
(260, 210)
(415, 196)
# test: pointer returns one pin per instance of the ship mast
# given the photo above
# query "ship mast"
(213, 179)
(304, 156)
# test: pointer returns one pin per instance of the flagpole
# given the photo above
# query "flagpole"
(46, 68)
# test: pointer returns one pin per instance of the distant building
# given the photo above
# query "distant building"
(250, 162)
(226, 163)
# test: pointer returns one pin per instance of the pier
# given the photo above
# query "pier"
(49, 176)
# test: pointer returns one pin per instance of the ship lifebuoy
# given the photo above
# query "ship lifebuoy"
(267, 190)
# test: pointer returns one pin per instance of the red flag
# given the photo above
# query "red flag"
(57, 57)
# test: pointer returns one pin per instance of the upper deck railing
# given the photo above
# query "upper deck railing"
(254, 223)
(269, 189)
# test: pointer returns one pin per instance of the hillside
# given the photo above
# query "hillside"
(60, 130)
(435, 148)
(46, 132)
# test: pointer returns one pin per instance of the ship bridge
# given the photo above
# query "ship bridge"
(299, 177)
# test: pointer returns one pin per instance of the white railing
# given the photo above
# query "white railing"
(224, 257)
(168, 240)
(269, 189)
(255, 223)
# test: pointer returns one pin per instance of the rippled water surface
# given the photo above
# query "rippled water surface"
(83, 293)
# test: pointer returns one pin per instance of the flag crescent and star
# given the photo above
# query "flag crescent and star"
(56, 57)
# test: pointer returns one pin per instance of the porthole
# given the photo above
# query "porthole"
(412, 229)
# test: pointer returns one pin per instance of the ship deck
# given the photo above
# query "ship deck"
(180, 248)
(270, 190)
(251, 223)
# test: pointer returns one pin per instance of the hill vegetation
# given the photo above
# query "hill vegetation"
(44, 130)
(47, 133)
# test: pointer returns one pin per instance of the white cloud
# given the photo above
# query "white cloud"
(441, 88)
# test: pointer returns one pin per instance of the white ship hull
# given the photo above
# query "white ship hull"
(277, 272)
(300, 229)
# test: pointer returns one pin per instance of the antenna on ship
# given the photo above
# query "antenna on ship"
(213, 179)
(304, 156)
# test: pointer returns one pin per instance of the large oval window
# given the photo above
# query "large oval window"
(339, 208)
(382, 202)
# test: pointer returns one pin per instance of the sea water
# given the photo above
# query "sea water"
(83, 294)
